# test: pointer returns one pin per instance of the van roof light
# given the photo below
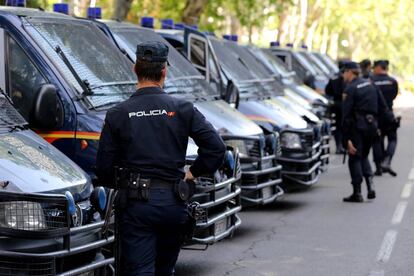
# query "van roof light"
(61, 8)
(94, 13)
(147, 22)
(16, 3)
(179, 26)
(274, 44)
(167, 23)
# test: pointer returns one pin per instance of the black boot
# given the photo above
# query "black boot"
(370, 187)
(378, 171)
(356, 196)
(386, 166)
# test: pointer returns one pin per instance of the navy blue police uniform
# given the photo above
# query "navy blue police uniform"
(334, 90)
(148, 134)
(360, 110)
(387, 122)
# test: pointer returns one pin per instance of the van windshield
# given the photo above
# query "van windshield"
(235, 69)
(182, 76)
(90, 53)
(10, 118)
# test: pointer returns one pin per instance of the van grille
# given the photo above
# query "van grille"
(26, 266)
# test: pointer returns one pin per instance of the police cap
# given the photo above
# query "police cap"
(383, 63)
(152, 51)
(351, 65)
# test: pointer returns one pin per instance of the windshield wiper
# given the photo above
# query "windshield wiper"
(187, 78)
(114, 83)
(87, 91)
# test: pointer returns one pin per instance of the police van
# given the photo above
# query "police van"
(291, 101)
(294, 87)
(228, 73)
(259, 168)
(298, 62)
(51, 217)
(84, 74)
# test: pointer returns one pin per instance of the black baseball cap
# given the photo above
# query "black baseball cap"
(351, 65)
(152, 51)
(383, 63)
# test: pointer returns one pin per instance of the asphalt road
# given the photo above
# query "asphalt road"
(314, 233)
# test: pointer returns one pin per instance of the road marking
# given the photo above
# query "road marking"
(411, 175)
(387, 245)
(377, 273)
(406, 192)
(399, 213)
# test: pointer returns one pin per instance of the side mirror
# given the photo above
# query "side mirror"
(47, 109)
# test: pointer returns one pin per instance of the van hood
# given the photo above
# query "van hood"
(288, 104)
(271, 117)
(32, 165)
(227, 120)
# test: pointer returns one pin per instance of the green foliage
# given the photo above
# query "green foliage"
(344, 28)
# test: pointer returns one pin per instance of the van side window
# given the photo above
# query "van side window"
(24, 79)
(198, 54)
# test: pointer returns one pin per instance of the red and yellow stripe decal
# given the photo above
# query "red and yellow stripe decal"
(52, 136)
(261, 119)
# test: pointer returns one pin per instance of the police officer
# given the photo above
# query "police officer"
(361, 106)
(147, 137)
(334, 90)
(366, 67)
(388, 124)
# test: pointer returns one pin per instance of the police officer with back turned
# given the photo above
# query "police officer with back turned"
(388, 123)
(145, 138)
(361, 107)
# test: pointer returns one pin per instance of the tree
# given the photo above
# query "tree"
(122, 8)
(192, 11)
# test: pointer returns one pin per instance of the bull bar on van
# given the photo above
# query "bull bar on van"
(45, 243)
(261, 174)
(301, 166)
(220, 199)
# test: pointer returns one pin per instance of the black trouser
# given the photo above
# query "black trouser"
(359, 166)
(379, 149)
(337, 109)
(152, 233)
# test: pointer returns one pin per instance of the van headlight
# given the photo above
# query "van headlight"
(22, 215)
(244, 146)
(290, 141)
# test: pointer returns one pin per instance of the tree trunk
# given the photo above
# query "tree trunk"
(192, 11)
(302, 21)
(122, 8)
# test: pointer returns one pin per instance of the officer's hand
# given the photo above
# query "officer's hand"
(351, 149)
(189, 176)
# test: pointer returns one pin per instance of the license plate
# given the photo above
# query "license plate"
(220, 226)
(267, 192)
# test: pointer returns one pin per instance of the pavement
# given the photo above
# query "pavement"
(312, 232)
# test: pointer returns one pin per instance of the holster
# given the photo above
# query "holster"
(132, 186)
(184, 190)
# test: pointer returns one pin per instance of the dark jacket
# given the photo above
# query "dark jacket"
(361, 97)
(388, 86)
(149, 133)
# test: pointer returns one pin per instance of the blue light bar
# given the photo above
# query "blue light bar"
(94, 13)
(234, 38)
(194, 27)
(167, 23)
(227, 37)
(147, 22)
(179, 26)
(274, 44)
(303, 46)
(290, 45)
(16, 3)
(61, 7)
